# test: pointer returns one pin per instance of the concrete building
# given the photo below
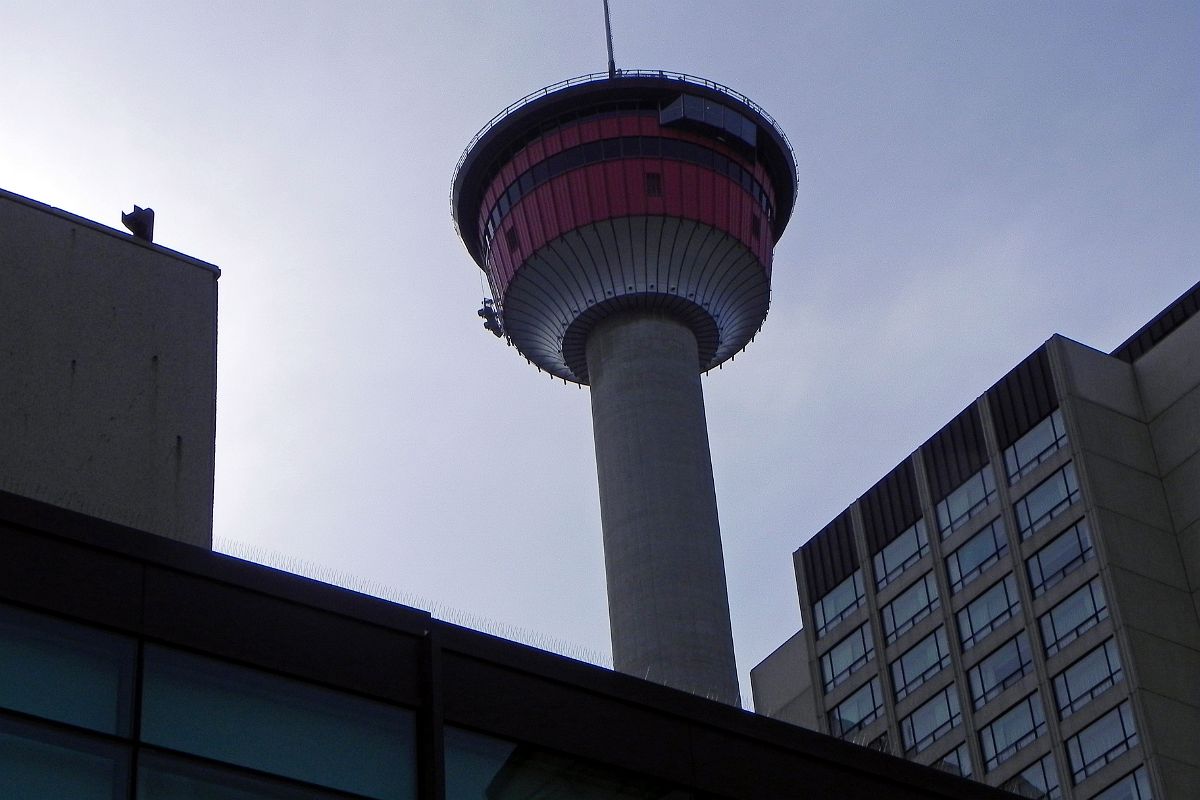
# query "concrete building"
(626, 223)
(108, 372)
(1019, 599)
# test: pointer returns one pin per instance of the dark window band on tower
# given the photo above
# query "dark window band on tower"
(623, 147)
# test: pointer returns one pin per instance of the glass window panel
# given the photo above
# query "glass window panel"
(1077, 613)
(1039, 781)
(274, 724)
(841, 601)
(956, 762)
(43, 764)
(847, 656)
(857, 711)
(920, 663)
(482, 767)
(1005, 666)
(163, 777)
(1013, 730)
(966, 501)
(1060, 557)
(1087, 678)
(1041, 442)
(931, 720)
(1134, 786)
(987, 612)
(901, 553)
(1100, 743)
(65, 672)
(976, 554)
(1047, 500)
(909, 607)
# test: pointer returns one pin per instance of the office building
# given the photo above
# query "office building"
(1019, 599)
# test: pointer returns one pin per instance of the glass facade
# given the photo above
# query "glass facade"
(919, 663)
(1042, 441)
(966, 501)
(909, 607)
(840, 602)
(987, 612)
(931, 720)
(1038, 781)
(480, 767)
(847, 656)
(1087, 678)
(1077, 613)
(1100, 743)
(858, 710)
(1134, 786)
(902, 552)
(956, 762)
(1013, 730)
(1064, 554)
(976, 554)
(1046, 501)
(1006, 665)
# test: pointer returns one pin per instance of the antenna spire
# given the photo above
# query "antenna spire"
(612, 65)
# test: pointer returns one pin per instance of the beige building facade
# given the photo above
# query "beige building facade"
(108, 372)
(1019, 600)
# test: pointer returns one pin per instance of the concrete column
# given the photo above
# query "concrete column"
(668, 605)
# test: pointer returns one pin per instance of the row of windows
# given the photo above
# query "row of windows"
(207, 729)
(622, 147)
(1060, 626)
(1038, 781)
(1037, 508)
(931, 720)
(1100, 743)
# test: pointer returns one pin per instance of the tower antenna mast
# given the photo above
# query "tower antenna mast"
(612, 65)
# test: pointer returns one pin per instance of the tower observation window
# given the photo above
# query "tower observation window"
(701, 111)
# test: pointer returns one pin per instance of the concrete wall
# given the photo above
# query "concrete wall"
(107, 372)
(782, 687)
(1137, 429)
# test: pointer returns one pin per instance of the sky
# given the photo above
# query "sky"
(974, 177)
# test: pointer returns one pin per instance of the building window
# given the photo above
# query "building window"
(1006, 665)
(283, 726)
(901, 553)
(1080, 683)
(846, 657)
(1103, 741)
(654, 184)
(1134, 786)
(1047, 500)
(931, 720)
(840, 602)
(65, 672)
(966, 501)
(919, 663)
(976, 554)
(956, 762)
(43, 761)
(857, 711)
(1043, 440)
(1077, 613)
(987, 612)
(1063, 555)
(755, 225)
(1016, 728)
(1038, 781)
(909, 607)
(512, 238)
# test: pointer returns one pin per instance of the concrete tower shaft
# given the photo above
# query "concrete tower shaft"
(626, 226)
(668, 606)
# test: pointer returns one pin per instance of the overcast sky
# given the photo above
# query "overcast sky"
(974, 177)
